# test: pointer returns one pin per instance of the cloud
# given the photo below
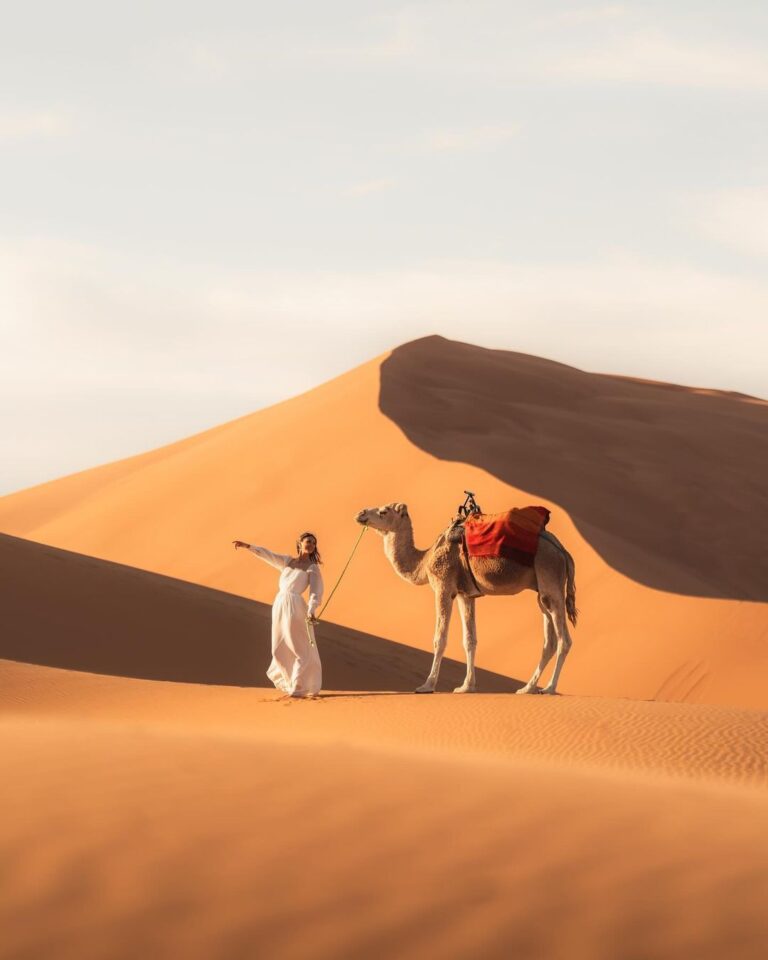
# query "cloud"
(591, 43)
(737, 218)
(599, 13)
(202, 56)
(105, 356)
(73, 304)
(654, 57)
(599, 43)
(225, 54)
(21, 125)
(396, 36)
(194, 58)
(460, 140)
(366, 187)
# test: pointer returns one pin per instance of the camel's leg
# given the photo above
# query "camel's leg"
(547, 652)
(469, 632)
(443, 608)
(560, 622)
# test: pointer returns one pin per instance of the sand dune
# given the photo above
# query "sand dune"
(173, 819)
(175, 510)
(67, 610)
(664, 481)
(158, 802)
(703, 744)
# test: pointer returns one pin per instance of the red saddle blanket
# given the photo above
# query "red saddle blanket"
(513, 534)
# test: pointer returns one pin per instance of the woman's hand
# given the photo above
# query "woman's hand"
(240, 543)
(312, 619)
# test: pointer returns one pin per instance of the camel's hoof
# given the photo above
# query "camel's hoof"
(424, 690)
(525, 690)
(464, 689)
(548, 692)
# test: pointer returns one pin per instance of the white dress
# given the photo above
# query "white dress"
(295, 667)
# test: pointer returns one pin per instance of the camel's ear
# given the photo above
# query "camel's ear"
(402, 509)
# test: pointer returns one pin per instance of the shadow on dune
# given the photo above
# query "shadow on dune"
(67, 610)
(667, 483)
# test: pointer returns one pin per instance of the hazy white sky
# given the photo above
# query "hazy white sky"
(208, 207)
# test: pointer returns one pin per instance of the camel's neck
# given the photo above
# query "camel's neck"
(404, 557)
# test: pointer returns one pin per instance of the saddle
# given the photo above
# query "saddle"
(513, 534)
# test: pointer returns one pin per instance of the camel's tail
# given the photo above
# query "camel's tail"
(570, 582)
(570, 589)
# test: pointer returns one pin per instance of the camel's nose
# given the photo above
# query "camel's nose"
(360, 518)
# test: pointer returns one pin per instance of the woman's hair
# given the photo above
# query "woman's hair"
(314, 556)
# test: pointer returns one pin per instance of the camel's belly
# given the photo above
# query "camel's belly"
(502, 577)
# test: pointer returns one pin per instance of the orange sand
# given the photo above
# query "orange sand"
(145, 818)
(175, 510)
(157, 802)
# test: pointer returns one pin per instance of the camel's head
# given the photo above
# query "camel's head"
(387, 519)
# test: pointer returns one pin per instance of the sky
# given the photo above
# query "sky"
(206, 208)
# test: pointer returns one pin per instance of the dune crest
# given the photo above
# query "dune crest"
(661, 479)
(174, 511)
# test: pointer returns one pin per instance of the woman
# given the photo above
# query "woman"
(295, 667)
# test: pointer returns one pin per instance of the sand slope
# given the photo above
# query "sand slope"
(153, 818)
(664, 481)
(175, 510)
(63, 609)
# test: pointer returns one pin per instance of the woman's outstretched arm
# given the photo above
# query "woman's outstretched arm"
(315, 590)
(277, 560)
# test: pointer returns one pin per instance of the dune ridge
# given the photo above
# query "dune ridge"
(661, 479)
(174, 511)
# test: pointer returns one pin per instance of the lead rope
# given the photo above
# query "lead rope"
(330, 595)
(310, 631)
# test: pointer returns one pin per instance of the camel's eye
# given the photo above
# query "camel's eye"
(382, 512)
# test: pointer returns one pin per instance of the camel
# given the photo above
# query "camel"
(442, 566)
